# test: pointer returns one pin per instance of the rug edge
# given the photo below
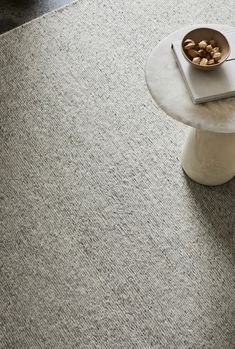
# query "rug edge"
(26, 24)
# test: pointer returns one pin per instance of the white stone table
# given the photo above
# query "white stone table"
(208, 155)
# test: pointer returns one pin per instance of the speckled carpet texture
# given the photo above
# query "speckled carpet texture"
(104, 242)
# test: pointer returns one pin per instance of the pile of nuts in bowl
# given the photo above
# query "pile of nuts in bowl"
(203, 52)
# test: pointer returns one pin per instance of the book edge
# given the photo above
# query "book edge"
(194, 100)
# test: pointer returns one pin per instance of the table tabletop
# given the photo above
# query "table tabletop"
(168, 89)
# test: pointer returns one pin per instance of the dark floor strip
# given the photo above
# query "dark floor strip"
(13, 13)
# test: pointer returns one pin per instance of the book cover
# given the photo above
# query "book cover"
(205, 86)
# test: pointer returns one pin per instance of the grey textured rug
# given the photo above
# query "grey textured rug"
(104, 242)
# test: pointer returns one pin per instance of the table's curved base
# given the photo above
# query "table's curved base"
(209, 158)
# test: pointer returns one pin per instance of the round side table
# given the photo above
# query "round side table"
(208, 155)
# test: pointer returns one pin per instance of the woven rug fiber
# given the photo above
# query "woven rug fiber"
(104, 242)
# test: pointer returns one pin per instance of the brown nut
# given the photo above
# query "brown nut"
(202, 44)
(187, 41)
(209, 48)
(189, 46)
(217, 56)
(193, 53)
(212, 43)
(196, 60)
(216, 49)
(204, 61)
(202, 53)
(211, 61)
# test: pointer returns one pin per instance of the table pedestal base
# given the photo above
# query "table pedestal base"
(209, 158)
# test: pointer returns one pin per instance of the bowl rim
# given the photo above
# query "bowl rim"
(207, 67)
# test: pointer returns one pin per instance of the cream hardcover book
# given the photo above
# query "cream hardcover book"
(205, 86)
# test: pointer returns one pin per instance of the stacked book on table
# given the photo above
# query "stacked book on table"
(205, 86)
